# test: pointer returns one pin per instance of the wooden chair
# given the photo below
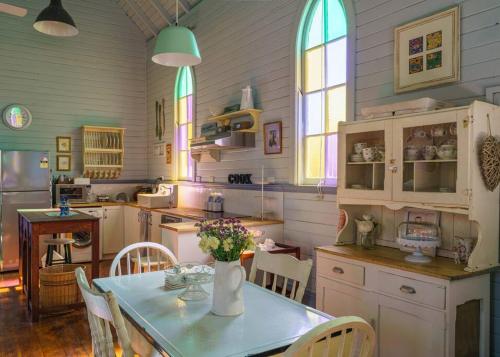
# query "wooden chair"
(348, 336)
(143, 260)
(285, 266)
(103, 310)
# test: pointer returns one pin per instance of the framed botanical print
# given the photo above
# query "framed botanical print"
(272, 138)
(63, 144)
(63, 163)
(427, 51)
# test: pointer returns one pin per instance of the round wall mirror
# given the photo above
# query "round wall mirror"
(16, 116)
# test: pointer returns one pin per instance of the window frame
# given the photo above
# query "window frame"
(177, 151)
(298, 91)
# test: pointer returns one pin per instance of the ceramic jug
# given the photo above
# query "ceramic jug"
(246, 98)
(228, 283)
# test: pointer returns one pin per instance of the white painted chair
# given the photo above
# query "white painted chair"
(103, 310)
(147, 255)
(282, 266)
(348, 336)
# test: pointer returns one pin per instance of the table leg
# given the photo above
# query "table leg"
(34, 270)
(95, 249)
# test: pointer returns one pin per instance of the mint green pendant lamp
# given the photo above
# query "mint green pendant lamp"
(176, 46)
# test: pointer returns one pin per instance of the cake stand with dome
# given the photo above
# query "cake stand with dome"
(419, 235)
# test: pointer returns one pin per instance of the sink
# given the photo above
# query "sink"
(165, 197)
(153, 200)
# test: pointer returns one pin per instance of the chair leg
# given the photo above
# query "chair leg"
(67, 254)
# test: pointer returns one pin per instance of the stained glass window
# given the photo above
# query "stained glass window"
(324, 72)
(184, 122)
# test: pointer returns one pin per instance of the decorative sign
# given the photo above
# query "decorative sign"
(168, 153)
(63, 143)
(240, 178)
(427, 51)
(63, 162)
(16, 116)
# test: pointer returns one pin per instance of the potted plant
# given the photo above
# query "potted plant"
(225, 240)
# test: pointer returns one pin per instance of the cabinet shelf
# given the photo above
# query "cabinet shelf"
(102, 145)
(431, 161)
(110, 151)
(366, 163)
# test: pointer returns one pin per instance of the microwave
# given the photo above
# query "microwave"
(73, 193)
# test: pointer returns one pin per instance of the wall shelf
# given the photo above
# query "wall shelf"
(225, 119)
(103, 150)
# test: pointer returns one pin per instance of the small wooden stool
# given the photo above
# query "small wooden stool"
(52, 245)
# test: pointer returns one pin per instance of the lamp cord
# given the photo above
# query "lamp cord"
(177, 13)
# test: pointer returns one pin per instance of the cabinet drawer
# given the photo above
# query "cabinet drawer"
(411, 289)
(339, 270)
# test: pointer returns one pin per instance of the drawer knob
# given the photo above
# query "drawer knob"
(407, 289)
(338, 270)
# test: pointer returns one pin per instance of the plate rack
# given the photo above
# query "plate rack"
(103, 151)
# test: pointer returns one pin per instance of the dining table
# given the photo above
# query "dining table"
(270, 323)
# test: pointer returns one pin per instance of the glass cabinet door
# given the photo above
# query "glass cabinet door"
(430, 153)
(363, 152)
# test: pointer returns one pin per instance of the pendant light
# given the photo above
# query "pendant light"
(55, 21)
(176, 46)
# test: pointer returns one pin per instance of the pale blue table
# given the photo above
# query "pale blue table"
(188, 329)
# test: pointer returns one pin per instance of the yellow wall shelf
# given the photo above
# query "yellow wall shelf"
(225, 119)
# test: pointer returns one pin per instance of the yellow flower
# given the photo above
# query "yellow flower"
(213, 243)
(227, 245)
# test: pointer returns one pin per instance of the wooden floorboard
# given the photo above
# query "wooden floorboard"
(62, 335)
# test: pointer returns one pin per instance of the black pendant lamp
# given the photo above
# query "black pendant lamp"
(55, 21)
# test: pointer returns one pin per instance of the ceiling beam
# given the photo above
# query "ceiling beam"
(163, 12)
(185, 6)
(142, 16)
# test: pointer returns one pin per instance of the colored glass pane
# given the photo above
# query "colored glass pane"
(182, 110)
(314, 27)
(314, 154)
(314, 113)
(189, 133)
(189, 109)
(183, 137)
(183, 164)
(331, 158)
(336, 62)
(335, 20)
(314, 63)
(335, 107)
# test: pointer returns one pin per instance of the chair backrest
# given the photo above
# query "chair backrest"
(103, 310)
(285, 266)
(348, 336)
(147, 255)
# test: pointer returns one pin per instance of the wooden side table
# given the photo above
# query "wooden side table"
(33, 224)
(280, 248)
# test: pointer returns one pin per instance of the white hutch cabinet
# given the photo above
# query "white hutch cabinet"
(434, 309)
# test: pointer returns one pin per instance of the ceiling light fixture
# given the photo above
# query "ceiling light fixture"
(176, 46)
(55, 21)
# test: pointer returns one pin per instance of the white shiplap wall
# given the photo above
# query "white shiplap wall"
(250, 42)
(95, 78)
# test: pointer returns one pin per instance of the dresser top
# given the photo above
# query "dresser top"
(440, 267)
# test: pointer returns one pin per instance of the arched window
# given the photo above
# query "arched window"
(322, 87)
(184, 122)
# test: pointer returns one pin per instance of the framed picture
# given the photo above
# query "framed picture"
(427, 51)
(63, 162)
(63, 143)
(159, 150)
(272, 138)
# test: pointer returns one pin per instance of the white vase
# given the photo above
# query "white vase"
(246, 98)
(228, 283)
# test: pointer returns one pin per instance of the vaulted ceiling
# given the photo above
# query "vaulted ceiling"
(153, 15)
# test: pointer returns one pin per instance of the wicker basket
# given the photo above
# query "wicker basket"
(58, 286)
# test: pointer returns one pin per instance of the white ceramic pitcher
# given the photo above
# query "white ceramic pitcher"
(246, 98)
(228, 283)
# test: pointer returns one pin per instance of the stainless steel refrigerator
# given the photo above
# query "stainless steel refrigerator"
(24, 183)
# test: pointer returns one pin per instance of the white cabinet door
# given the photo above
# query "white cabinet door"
(338, 299)
(112, 240)
(366, 180)
(154, 228)
(131, 225)
(439, 180)
(409, 330)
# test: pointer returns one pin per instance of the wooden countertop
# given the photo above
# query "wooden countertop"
(440, 267)
(189, 227)
(39, 216)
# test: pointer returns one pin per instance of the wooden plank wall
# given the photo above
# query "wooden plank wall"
(248, 42)
(95, 78)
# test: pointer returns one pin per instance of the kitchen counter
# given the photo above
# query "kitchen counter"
(440, 267)
(189, 227)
